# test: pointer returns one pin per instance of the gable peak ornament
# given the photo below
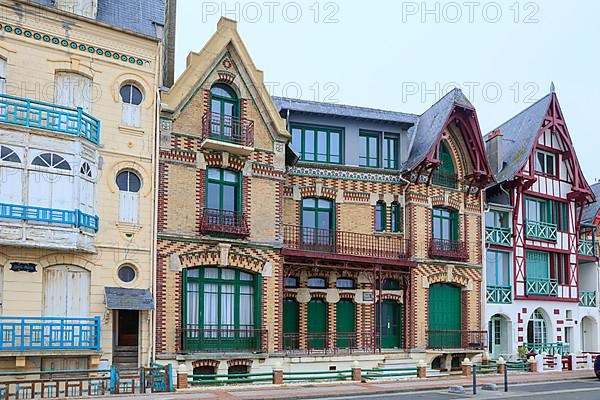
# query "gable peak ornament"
(226, 63)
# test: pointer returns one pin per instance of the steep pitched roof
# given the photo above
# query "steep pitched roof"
(590, 211)
(430, 124)
(199, 65)
(343, 110)
(140, 16)
(519, 137)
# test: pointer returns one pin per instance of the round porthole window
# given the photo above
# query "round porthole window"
(126, 273)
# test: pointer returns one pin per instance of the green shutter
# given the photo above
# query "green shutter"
(345, 323)
(317, 323)
(291, 323)
(537, 265)
(444, 314)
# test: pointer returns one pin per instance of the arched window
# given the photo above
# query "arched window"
(445, 175)
(220, 308)
(536, 329)
(131, 109)
(224, 113)
(396, 217)
(50, 182)
(66, 291)
(380, 219)
(11, 176)
(129, 184)
(316, 282)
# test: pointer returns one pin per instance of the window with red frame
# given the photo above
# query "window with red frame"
(559, 268)
(545, 163)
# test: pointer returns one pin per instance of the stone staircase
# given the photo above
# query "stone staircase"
(125, 358)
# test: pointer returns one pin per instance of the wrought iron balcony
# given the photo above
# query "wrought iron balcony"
(499, 294)
(588, 298)
(49, 333)
(540, 230)
(74, 218)
(445, 180)
(542, 287)
(224, 222)
(448, 249)
(586, 248)
(498, 236)
(226, 128)
(456, 339)
(344, 243)
(224, 339)
(331, 342)
(50, 117)
(548, 348)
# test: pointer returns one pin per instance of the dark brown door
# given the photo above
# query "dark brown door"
(128, 328)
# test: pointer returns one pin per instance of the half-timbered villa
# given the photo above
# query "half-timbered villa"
(540, 275)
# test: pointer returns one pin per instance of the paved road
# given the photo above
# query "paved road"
(588, 389)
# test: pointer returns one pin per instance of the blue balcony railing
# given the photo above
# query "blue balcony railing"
(499, 294)
(499, 236)
(588, 298)
(51, 117)
(541, 230)
(75, 218)
(586, 248)
(542, 287)
(49, 333)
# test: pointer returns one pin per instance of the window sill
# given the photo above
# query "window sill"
(128, 228)
(390, 234)
(131, 130)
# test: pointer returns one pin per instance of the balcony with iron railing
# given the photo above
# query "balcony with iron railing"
(445, 179)
(224, 222)
(18, 334)
(587, 248)
(224, 339)
(456, 339)
(226, 129)
(331, 342)
(541, 230)
(542, 287)
(499, 294)
(448, 249)
(50, 117)
(498, 236)
(334, 242)
(588, 298)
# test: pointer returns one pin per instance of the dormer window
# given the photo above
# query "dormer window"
(85, 8)
(445, 175)
(545, 163)
(224, 113)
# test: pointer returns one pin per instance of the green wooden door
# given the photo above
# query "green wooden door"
(389, 326)
(317, 324)
(537, 265)
(496, 337)
(345, 318)
(444, 315)
(291, 324)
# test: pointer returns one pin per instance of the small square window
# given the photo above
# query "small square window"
(291, 282)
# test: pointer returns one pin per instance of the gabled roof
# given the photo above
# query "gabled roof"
(140, 16)
(519, 136)
(199, 66)
(430, 125)
(590, 211)
(342, 110)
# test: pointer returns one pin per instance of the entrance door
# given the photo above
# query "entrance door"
(345, 318)
(389, 326)
(291, 325)
(444, 316)
(125, 346)
(317, 324)
(497, 336)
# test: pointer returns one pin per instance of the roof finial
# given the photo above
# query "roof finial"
(552, 87)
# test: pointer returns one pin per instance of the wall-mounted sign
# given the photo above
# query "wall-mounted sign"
(22, 267)
(367, 296)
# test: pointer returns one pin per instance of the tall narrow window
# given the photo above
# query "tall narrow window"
(129, 184)
(369, 149)
(380, 220)
(11, 176)
(2, 76)
(131, 109)
(497, 268)
(66, 291)
(319, 144)
(50, 182)
(224, 113)
(445, 224)
(445, 175)
(391, 149)
(317, 224)
(396, 217)
(86, 189)
(73, 90)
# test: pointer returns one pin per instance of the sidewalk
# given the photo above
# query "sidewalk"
(296, 391)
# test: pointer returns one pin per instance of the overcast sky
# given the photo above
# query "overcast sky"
(403, 56)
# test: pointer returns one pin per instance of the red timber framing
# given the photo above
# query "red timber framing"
(580, 195)
(366, 328)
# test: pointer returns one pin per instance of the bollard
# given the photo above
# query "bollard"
(474, 379)
(557, 362)
(421, 369)
(182, 377)
(589, 361)
(572, 362)
(356, 372)
(532, 364)
(466, 367)
(501, 365)
(485, 358)
(277, 374)
(539, 363)
(506, 379)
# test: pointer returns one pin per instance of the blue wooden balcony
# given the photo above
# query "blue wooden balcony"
(49, 333)
(587, 298)
(586, 248)
(542, 287)
(498, 236)
(499, 294)
(540, 230)
(74, 218)
(51, 117)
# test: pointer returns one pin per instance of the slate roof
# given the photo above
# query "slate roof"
(430, 123)
(518, 137)
(128, 299)
(591, 210)
(342, 110)
(140, 16)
